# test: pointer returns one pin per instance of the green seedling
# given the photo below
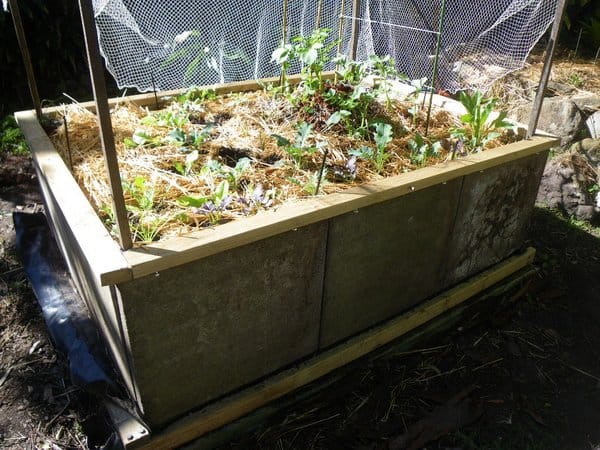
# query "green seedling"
(186, 168)
(421, 149)
(141, 138)
(145, 223)
(479, 127)
(301, 145)
(383, 135)
(197, 95)
(315, 180)
(212, 206)
(384, 68)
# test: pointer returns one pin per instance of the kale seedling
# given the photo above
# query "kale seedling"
(421, 149)
(383, 136)
(300, 146)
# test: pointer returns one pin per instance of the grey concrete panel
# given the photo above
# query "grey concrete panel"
(495, 208)
(203, 329)
(385, 258)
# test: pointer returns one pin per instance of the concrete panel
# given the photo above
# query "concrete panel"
(495, 208)
(203, 329)
(385, 258)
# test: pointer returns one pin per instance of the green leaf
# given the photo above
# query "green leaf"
(304, 133)
(337, 116)
(194, 202)
(221, 191)
(281, 141)
(383, 134)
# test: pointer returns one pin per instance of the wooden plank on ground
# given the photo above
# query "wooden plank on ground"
(238, 405)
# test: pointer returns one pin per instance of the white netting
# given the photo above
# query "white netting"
(168, 45)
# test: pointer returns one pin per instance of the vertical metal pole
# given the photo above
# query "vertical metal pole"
(539, 95)
(354, 30)
(103, 114)
(20, 32)
(438, 46)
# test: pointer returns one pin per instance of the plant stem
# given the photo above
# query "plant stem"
(321, 171)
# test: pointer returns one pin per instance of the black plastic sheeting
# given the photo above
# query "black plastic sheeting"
(65, 313)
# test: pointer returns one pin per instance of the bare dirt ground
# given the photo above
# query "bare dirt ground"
(528, 379)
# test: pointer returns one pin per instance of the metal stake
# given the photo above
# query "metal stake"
(438, 46)
(68, 142)
(20, 32)
(539, 96)
(103, 114)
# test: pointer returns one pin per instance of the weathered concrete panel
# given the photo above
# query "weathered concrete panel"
(385, 258)
(495, 207)
(200, 330)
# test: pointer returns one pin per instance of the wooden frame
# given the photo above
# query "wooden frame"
(198, 300)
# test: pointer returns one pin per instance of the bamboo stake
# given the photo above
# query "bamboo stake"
(107, 139)
(283, 74)
(340, 34)
(319, 12)
(22, 41)
(438, 47)
(539, 95)
(354, 32)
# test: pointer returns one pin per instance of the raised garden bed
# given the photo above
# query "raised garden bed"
(194, 318)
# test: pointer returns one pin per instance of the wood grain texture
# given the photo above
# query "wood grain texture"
(103, 253)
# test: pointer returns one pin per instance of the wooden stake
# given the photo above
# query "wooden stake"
(22, 40)
(319, 12)
(539, 96)
(103, 114)
(354, 31)
(438, 46)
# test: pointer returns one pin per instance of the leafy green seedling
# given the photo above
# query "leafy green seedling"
(383, 135)
(421, 149)
(478, 126)
(300, 145)
(141, 138)
(145, 223)
(211, 206)
(186, 168)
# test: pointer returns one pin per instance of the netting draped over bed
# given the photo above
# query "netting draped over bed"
(176, 44)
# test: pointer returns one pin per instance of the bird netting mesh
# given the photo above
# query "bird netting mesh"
(155, 44)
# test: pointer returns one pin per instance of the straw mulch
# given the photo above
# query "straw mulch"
(174, 162)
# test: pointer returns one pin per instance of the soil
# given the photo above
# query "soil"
(529, 378)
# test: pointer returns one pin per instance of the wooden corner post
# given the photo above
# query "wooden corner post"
(539, 96)
(103, 114)
(22, 40)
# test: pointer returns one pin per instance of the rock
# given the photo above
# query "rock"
(556, 88)
(559, 116)
(567, 184)
(593, 124)
(590, 149)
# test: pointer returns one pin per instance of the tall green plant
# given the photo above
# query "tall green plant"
(479, 126)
